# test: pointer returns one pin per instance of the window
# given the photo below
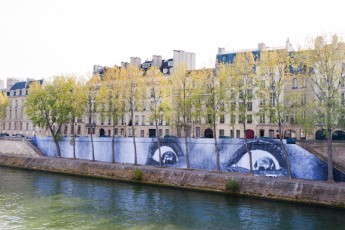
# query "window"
(123, 121)
(249, 119)
(249, 93)
(241, 118)
(250, 106)
(72, 129)
(271, 133)
(272, 99)
(197, 132)
(233, 118)
(21, 126)
(241, 95)
(65, 130)
(304, 99)
(160, 132)
(9, 126)
(304, 115)
(109, 121)
(161, 120)
(238, 133)
(136, 119)
(222, 119)
(166, 131)
(221, 132)
(142, 133)
(15, 126)
(143, 119)
(232, 133)
(262, 103)
(262, 118)
(79, 130)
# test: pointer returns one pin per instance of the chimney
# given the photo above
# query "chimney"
(221, 50)
(157, 61)
(261, 46)
(135, 61)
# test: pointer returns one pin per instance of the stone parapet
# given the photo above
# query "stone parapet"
(16, 147)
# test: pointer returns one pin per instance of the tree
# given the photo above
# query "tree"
(110, 99)
(159, 88)
(242, 84)
(49, 105)
(274, 70)
(79, 100)
(4, 103)
(134, 84)
(325, 66)
(215, 98)
(91, 89)
(183, 95)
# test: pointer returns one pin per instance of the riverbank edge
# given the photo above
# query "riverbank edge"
(294, 190)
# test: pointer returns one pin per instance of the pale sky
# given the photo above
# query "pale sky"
(43, 38)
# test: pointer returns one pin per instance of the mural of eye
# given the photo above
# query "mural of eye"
(264, 163)
(171, 152)
(261, 160)
(169, 157)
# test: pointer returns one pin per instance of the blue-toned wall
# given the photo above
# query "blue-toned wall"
(268, 155)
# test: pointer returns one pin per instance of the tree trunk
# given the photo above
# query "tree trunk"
(113, 145)
(133, 135)
(92, 147)
(329, 156)
(57, 147)
(135, 147)
(73, 138)
(248, 150)
(159, 146)
(216, 146)
(186, 143)
(285, 151)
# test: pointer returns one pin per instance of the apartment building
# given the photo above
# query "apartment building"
(16, 121)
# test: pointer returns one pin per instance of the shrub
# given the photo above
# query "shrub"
(232, 186)
(138, 175)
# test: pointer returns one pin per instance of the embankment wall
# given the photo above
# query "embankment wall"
(299, 190)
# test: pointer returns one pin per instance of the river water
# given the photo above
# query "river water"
(39, 200)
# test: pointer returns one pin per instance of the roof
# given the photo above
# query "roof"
(22, 85)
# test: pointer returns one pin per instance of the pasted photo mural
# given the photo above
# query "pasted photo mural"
(267, 154)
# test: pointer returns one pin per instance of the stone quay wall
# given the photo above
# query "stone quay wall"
(16, 147)
(281, 188)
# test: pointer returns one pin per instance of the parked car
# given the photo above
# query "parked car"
(4, 135)
(19, 135)
(224, 137)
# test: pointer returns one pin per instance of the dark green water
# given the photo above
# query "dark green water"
(38, 200)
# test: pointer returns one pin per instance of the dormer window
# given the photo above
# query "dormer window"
(24, 92)
(12, 93)
(17, 92)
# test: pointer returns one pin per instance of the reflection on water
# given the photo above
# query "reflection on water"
(37, 200)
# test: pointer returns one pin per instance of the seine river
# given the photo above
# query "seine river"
(38, 200)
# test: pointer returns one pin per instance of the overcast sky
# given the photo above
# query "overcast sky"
(42, 38)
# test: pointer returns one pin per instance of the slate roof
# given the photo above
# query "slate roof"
(20, 86)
